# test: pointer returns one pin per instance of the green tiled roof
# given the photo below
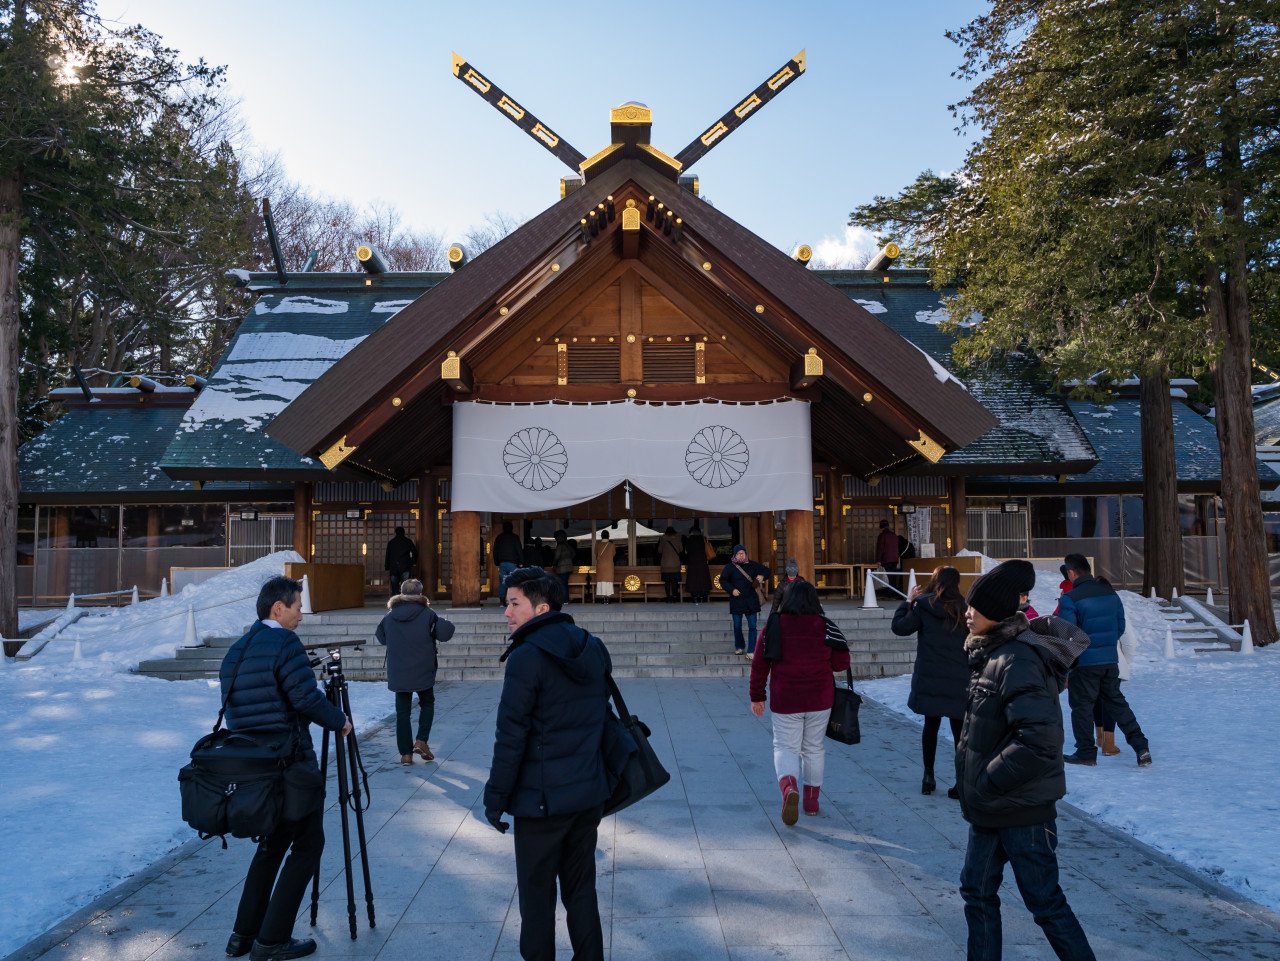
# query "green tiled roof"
(290, 337)
(104, 450)
(1036, 426)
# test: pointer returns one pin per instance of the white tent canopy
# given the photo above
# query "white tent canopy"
(618, 532)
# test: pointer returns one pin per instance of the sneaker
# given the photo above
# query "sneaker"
(284, 951)
(1078, 758)
(423, 750)
(1144, 759)
(739, 653)
(406, 758)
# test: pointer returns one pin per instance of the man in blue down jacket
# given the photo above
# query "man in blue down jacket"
(1009, 763)
(275, 689)
(548, 764)
(1095, 608)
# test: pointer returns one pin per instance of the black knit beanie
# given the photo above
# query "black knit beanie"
(995, 594)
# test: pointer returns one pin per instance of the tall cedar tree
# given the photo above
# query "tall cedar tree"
(83, 110)
(1115, 215)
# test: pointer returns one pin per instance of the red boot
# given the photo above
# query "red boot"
(811, 799)
(790, 800)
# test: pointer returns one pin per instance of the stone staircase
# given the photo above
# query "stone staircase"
(644, 641)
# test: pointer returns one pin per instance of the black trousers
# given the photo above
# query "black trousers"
(563, 848)
(268, 914)
(1100, 683)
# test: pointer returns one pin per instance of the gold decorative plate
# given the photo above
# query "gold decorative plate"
(631, 583)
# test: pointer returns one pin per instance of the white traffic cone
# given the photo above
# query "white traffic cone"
(1169, 649)
(77, 655)
(1175, 594)
(1208, 597)
(134, 599)
(911, 582)
(164, 587)
(1153, 593)
(306, 596)
(869, 594)
(189, 639)
(1246, 638)
(71, 602)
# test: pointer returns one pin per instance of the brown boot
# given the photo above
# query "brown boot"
(406, 758)
(1108, 744)
(423, 750)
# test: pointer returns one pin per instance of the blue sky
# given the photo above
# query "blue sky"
(359, 99)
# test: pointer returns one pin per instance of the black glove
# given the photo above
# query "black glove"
(495, 818)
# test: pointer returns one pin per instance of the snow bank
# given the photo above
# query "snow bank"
(1209, 801)
(118, 638)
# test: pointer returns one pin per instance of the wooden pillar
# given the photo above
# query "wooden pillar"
(749, 532)
(764, 545)
(428, 571)
(959, 520)
(302, 520)
(800, 541)
(465, 589)
(835, 518)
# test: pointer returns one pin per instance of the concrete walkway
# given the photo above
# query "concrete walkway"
(702, 870)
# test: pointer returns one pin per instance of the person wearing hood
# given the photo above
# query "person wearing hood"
(409, 631)
(1009, 767)
(940, 677)
(549, 769)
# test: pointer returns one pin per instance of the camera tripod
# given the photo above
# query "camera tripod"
(350, 774)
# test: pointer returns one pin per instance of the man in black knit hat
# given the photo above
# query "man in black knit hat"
(1009, 767)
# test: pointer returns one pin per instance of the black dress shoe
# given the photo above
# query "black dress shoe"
(238, 945)
(293, 948)
(1079, 758)
(927, 783)
(953, 793)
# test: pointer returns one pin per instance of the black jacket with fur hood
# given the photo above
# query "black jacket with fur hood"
(1009, 765)
(410, 630)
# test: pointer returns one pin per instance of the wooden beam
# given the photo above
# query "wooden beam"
(465, 579)
(658, 393)
(427, 568)
(800, 541)
(959, 515)
(302, 520)
(631, 330)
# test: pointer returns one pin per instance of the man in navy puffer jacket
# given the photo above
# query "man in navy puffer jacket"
(549, 766)
(1094, 607)
(275, 689)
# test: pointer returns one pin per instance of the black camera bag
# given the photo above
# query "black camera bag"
(235, 782)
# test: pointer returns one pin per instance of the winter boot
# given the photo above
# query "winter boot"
(811, 799)
(423, 750)
(1108, 744)
(790, 800)
(927, 784)
(1078, 758)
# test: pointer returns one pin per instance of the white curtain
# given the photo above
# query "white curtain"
(729, 458)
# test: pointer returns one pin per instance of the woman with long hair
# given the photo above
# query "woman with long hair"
(797, 663)
(940, 678)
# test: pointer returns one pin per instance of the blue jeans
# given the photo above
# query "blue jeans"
(1031, 852)
(505, 570)
(749, 645)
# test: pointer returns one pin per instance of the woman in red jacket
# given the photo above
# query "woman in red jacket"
(800, 653)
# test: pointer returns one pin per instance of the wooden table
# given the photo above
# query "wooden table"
(850, 581)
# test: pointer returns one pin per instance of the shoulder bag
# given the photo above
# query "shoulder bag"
(642, 773)
(843, 724)
(762, 592)
(235, 783)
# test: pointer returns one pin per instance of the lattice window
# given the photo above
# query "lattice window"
(672, 363)
(595, 364)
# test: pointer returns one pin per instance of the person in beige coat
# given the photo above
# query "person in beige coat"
(604, 554)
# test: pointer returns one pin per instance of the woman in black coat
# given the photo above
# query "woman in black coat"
(409, 631)
(940, 678)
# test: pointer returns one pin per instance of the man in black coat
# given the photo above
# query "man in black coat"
(739, 580)
(508, 554)
(1009, 765)
(269, 685)
(548, 764)
(410, 631)
(401, 556)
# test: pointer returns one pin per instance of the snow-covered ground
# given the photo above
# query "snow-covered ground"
(90, 753)
(1210, 799)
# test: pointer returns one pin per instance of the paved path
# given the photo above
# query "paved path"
(703, 870)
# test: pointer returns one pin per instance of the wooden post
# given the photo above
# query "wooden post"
(302, 520)
(749, 531)
(465, 589)
(764, 552)
(152, 577)
(835, 517)
(800, 541)
(427, 569)
(959, 520)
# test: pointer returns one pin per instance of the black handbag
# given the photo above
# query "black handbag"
(643, 773)
(843, 724)
(235, 783)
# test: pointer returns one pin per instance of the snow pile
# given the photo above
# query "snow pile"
(118, 638)
(1209, 800)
